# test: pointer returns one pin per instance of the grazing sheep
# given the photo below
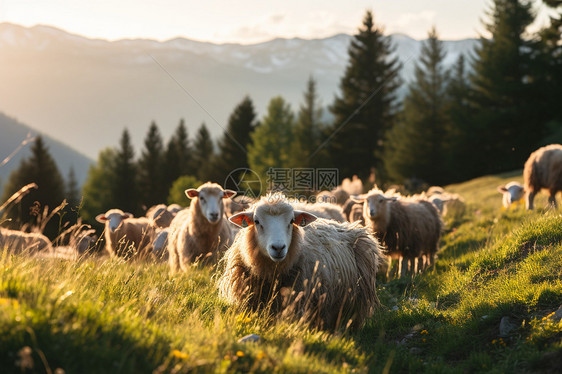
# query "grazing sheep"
(126, 236)
(322, 210)
(407, 227)
(15, 241)
(200, 233)
(287, 260)
(159, 244)
(543, 170)
(513, 192)
(175, 208)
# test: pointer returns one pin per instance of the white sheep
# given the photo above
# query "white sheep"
(126, 236)
(300, 266)
(200, 233)
(513, 193)
(15, 241)
(409, 228)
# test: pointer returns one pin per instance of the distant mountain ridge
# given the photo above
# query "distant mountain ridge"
(13, 133)
(85, 91)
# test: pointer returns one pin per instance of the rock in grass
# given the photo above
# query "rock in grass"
(507, 326)
(252, 338)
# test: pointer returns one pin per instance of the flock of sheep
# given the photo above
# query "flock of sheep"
(313, 261)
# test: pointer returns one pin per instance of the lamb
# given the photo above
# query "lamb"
(200, 233)
(407, 227)
(543, 170)
(126, 236)
(513, 193)
(15, 241)
(447, 204)
(322, 210)
(300, 266)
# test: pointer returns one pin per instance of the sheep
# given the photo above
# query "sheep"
(353, 211)
(299, 266)
(407, 227)
(513, 192)
(200, 233)
(175, 208)
(322, 210)
(543, 170)
(126, 236)
(447, 204)
(159, 243)
(15, 241)
(237, 204)
(435, 190)
(326, 197)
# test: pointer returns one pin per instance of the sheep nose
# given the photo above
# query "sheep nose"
(214, 216)
(372, 212)
(278, 247)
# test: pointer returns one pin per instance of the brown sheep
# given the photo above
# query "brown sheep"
(287, 260)
(407, 227)
(200, 233)
(15, 241)
(543, 170)
(237, 204)
(126, 236)
(160, 215)
(322, 210)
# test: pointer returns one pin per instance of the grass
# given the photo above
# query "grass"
(100, 315)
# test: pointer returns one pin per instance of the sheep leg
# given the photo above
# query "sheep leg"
(405, 266)
(552, 199)
(529, 199)
(421, 264)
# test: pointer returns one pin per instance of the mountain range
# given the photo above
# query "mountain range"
(84, 92)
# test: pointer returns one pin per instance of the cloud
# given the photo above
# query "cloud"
(413, 24)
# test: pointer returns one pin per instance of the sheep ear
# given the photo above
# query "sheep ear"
(391, 198)
(357, 198)
(303, 218)
(127, 215)
(502, 189)
(228, 193)
(242, 219)
(191, 193)
(101, 218)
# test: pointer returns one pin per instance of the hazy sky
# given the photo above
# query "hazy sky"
(245, 21)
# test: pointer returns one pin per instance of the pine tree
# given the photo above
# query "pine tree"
(271, 140)
(39, 168)
(233, 146)
(100, 180)
(417, 145)
(72, 191)
(308, 130)
(502, 83)
(178, 158)
(203, 152)
(151, 169)
(463, 140)
(366, 107)
(125, 189)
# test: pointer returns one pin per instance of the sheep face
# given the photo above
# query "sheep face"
(512, 192)
(208, 200)
(375, 204)
(113, 218)
(273, 228)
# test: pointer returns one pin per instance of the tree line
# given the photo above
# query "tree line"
(483, 115)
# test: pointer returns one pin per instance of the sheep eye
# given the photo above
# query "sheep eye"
(257, 222)
(202, 199)
(292, 221)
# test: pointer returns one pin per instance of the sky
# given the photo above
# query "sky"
(246, 21)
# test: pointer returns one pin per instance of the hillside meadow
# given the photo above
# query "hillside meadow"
(496, 267)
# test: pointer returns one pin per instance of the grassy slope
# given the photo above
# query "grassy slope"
(107, 316)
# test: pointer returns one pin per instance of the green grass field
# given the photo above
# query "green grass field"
(106, 316)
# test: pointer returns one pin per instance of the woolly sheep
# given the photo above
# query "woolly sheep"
(237, 204)
(447, 204)
(353, 211)
(322, 210)
(126, 236)
(407, 227)
(300, 266)
(200, 232)
(513, 192)
(15, 241)
(543, 170)
(160, 216)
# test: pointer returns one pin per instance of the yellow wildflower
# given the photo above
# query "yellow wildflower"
(179, 354)
(423, 332)
(261, 355)
(240, 354)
